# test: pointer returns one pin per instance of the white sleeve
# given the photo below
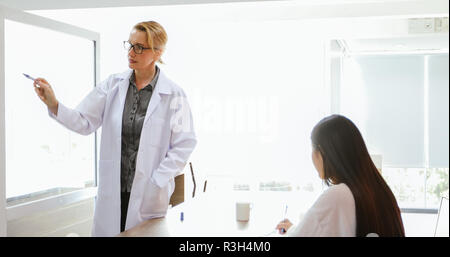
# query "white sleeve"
(333, 214)
(88, 115)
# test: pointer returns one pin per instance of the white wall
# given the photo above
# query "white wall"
(220, 64)
(334, 25)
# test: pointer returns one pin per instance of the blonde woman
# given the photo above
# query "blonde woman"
(147, 133)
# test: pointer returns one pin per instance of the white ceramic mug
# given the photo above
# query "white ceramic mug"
(243, 211)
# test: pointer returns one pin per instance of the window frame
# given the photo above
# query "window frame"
(20, 210)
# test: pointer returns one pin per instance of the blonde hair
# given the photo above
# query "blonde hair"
(156, 35)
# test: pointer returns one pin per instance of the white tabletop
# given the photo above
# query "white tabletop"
(215, 216)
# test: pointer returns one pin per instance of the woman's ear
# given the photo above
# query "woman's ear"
(159, 53)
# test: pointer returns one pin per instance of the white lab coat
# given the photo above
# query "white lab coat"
(166, 142)
(332, 215)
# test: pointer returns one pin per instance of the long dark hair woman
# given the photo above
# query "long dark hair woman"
(358, 201)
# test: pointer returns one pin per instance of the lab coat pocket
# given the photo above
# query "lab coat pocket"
(155, 200)
(105, 178)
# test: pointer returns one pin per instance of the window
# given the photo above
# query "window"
(383, 95)
(400, 103)
(418, 188)
(438, 110)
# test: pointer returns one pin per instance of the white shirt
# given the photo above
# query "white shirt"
(332, 215)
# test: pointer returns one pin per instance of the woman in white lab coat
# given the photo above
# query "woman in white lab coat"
(147, 133)
(358, 202)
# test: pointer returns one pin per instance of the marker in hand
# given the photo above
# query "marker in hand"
(284, 217)
(29, 77)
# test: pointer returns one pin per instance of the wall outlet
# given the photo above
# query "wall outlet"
(427, 25)
(421, 25)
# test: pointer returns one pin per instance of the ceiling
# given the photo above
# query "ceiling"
(70, 4)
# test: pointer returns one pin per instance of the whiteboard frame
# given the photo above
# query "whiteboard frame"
(15, 212)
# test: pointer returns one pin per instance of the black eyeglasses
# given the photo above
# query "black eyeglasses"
(138, 49)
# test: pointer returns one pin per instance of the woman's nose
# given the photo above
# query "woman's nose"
(131, 52)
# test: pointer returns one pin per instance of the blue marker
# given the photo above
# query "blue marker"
(284, 217)
(181, 216)
(29, 77)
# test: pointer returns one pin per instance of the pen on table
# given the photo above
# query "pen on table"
(284, 217)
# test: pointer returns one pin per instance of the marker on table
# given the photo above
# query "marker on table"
(29, 77)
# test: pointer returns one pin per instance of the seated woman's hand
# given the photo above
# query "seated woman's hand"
(283, 226)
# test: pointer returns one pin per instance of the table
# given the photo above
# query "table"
(215, 216)
(212, 216)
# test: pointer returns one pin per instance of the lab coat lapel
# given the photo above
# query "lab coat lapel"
(123, 86)
(160, 88)
(154, 101)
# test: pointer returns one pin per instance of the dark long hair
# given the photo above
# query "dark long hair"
(347, 160)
